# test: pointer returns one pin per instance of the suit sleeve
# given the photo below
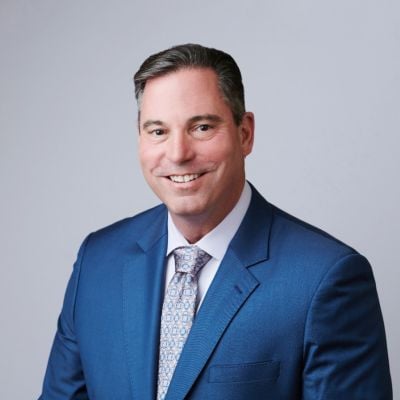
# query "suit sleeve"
(64, 377)
(345, 354)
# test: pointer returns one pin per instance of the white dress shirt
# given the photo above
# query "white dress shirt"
(215, 243)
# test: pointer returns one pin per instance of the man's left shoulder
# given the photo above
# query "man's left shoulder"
(301, 234)
(301, 252)
(293, 238)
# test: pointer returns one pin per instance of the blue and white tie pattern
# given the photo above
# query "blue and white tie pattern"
(178, 311)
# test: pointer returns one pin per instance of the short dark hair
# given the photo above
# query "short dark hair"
(196, 56)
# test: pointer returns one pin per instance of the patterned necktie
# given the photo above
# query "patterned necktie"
(178, 311)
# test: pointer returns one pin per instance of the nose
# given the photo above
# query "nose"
(179, 147)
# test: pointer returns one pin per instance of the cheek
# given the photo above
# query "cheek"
(219, 149)
(226, 154)
(148, 156)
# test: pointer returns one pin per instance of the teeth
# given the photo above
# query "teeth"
(184, 178)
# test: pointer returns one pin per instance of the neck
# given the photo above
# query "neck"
(192, 228)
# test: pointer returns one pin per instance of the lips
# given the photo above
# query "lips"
(183, 178)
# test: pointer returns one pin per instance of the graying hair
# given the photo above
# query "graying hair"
(196, 56)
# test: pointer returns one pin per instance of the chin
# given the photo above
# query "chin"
(186, 209)
(185, 212)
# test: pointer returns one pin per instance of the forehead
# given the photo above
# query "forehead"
(186, 91)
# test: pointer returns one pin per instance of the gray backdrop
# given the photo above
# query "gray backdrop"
(323, 78)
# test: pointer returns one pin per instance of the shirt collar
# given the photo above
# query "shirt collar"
(216, 242)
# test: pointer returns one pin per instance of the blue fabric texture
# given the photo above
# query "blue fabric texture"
(292, 313)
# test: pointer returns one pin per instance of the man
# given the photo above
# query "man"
(216, 294)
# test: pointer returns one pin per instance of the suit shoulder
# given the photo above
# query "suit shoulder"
(304, 238)
(133, 226)
(290, 231)
(303, 226)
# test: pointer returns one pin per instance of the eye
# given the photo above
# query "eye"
(203, 131)
(203, 127)
(157, 132)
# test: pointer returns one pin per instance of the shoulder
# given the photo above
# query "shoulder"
(306, 261)
(296, 242)
(298, 233)
(130, 230)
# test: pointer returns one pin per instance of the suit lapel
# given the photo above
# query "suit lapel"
(232, 286)
(143, 284)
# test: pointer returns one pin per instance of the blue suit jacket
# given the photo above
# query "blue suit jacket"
(291, 314)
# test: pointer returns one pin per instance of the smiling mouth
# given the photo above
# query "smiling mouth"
(184, 178)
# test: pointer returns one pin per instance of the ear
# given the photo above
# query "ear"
(246, 129)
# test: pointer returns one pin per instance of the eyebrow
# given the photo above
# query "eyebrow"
(152, 122)
(197, 118)
(205, 117)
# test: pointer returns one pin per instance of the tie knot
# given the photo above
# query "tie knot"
(190, 259)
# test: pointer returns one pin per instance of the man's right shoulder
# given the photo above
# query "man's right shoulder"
(133, 228)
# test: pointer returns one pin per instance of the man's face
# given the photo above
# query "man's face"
(191, 152)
